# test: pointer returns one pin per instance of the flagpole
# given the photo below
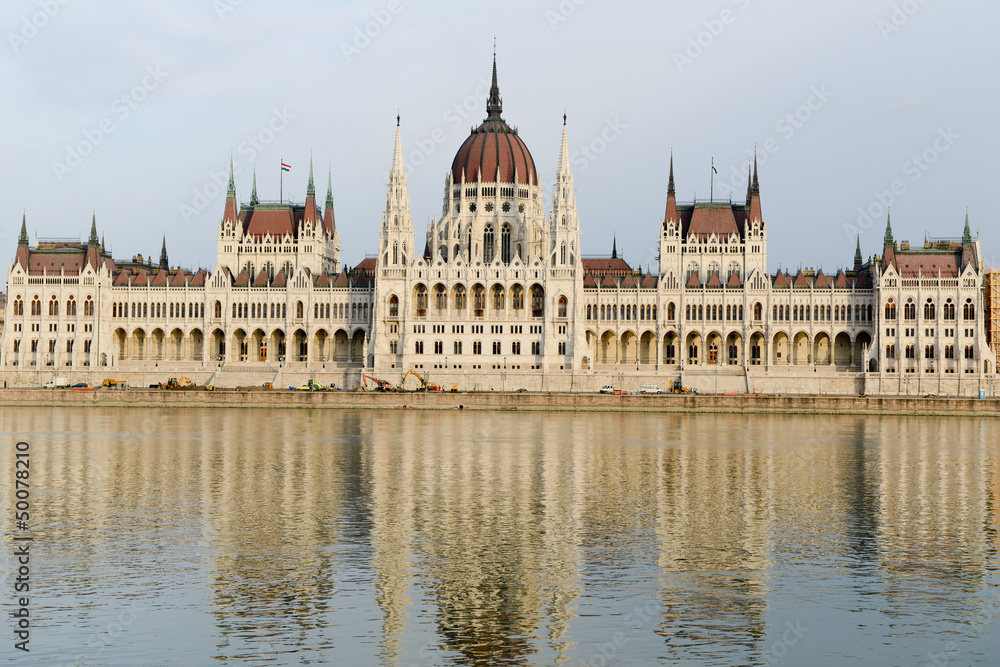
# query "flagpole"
(711, 194)
(281, 181)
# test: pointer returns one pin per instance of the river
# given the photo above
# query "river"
(271, 537)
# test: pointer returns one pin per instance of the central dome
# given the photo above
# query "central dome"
(494, 146)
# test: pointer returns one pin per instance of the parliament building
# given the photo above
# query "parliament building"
(497, 296)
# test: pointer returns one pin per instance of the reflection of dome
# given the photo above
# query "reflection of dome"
(494, 145)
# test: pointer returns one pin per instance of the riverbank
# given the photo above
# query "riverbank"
(528, 402)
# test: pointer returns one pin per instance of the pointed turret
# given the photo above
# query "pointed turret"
(858, 260)
(889, 241)
(494, 106)
(93, 230)
(755, 211)
(231, 206)
(22, 245)
(310, 215)
(311, 188)
(253, 194)
(749, 182)
(93, 244)
(671, 213)
(614, 247)
(564, 214)
(396, 236)
(164, 262)
(967, 234)
(329, 222)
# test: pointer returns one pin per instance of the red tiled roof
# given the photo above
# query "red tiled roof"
(734, 281)
(928, 264)
(822, 282)
(712, 219)
(841, 280)
(693, 281)
(494, 147)
(713, 280)
(628, 281)
(69, 263)
(280, 279)
(780, 280)
(601, 266)
(588, 280)
(242, 280)
(649, 280)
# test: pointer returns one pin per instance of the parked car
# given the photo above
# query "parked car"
(649, 389)
(79, 385)
(608, 389)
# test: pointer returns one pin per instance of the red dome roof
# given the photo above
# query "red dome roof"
(494, 146)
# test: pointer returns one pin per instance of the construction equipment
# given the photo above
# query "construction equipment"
(678, 388)
(112, 383)
(424, 384)
(379, 385)
(178, 383)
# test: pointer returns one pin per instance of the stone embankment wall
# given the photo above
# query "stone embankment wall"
(506, 402)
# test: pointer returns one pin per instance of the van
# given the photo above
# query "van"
(649, 389)
(608, 389)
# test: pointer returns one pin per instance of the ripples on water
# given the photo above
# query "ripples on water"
(235, 537)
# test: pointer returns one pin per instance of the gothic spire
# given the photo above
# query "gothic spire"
(494, 107)
(329, 188)
(755, 186)
(164, 264)
(397, 154)
(311, 188)
(22, 240)
(564, 163)
(967, 234)
(749, 182)
(614, 247)
(231, 192)
(93, 230)
(857, 255)
(253, 194)
(670, 181)
(889, 241)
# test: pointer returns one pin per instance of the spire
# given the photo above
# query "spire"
(749, 182)
(967, 234)
(311, 188)
(397, 153)
(93, 230)
(22, 240)
(889, 241)
(857, 255)
(671, 212)
(670, 181)
(329, 188)
(494, 107)
(564, 163)
(253, 194)
(755, 186)
(614, 247)
(164, 264)
(231, 192)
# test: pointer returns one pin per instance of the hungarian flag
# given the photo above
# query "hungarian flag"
(714, 170)
(286, 167)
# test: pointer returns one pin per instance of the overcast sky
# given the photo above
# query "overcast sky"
(128, 108)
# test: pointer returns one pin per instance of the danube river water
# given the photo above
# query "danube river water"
(306, 537)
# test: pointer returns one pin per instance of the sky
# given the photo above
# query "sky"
(131, 111)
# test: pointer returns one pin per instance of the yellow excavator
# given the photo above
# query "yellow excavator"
(181, 383)
(424, 385)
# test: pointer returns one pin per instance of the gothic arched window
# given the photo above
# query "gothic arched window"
(489, 244)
